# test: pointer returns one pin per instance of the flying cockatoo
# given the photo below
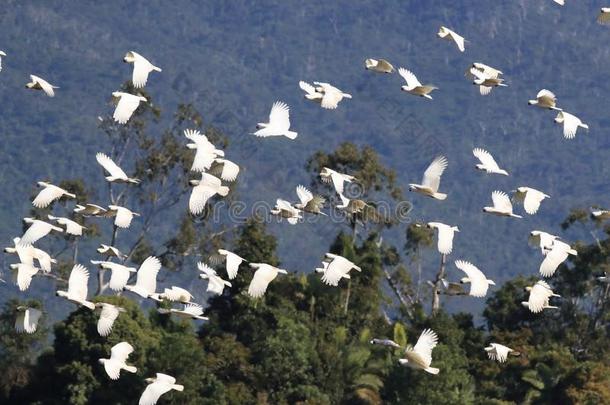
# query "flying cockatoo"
(604, 16)
(478, 282)
(385, 342)
(500, 353)
(126, 105)
(122, 216)
(205, 153)
(432, 179)
(284, 209)
(38, 83)
(190, 310)
(77, 287)
(570, 123)
(531, 198)
(174, 294)
(378, 65)
(487, 162)
(545, 99)
(264, 274)
(542, 240)
(539, 297)
(449, 35)
(116, 174)
(72, 227)
(90, 210)
(23, 274)
(111, 251)
(141, 68)
(337, 179)
(27, 319)
(203, 190)
(118, 360)
(558, 254)
(335, 268)
(310, 92)
(158, 386)
(146, 280)
(485, 74)
(413, 85)
(216, 284)
(445, 236)
(279, 122)
(48, 194)
(502, 205)
(38, 229)
(308, 202)
(119, 273)
(108, 314)
(232, 262)
(331, 96)
(419, 356)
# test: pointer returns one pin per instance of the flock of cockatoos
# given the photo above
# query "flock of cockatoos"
(214, 169)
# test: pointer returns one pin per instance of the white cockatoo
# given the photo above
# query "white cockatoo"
(27, 319)
(531, 198)
(126, 105)
(413, 85)
(335, 268)
(108, 314)
(604, 16)
(542, 240)
(308, 202)
(539, 296)
(111, 251)
(479, 283)
(77, 287)
(89, 210)
(331, 96)
(203, 190)
(558, 254)
(48, 194)
(122, 216)
(279, 122)
(23, 274)
(432, 179)
(385, 342)
(119, 273)
(284, 209)
(449, 35)
(570, 123)
(190, 310)
(116, 174)
(72, 227)
(37, 230)
(502, 205)
(38, 83)
(158, 386)
(500, 353)
(224, 169)
(487, 162)
(232, 262)
(146, 279)
(264, 274)
(419, 356)
(174, 294)
(310, 92)
(27, 254)
(445, 236)
(216, 284)
(205, 151)
(141, 68)
(545, 99)
(337, 179)
(378, 65)
(118, 360)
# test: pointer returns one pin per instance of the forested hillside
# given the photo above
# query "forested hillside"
(224, 64)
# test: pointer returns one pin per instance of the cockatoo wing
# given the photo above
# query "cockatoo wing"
(108, 164)
(478, 281)
(501, 201)
(108, 315)
(432, 175)
(78, 282)
(426, 342)
(485, 158)
(147, 274)
(409, 77)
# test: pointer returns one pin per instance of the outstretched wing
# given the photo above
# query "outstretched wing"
(432, 175)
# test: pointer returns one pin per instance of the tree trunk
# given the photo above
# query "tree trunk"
(398, 293)
(349, 288)
(436, 290)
